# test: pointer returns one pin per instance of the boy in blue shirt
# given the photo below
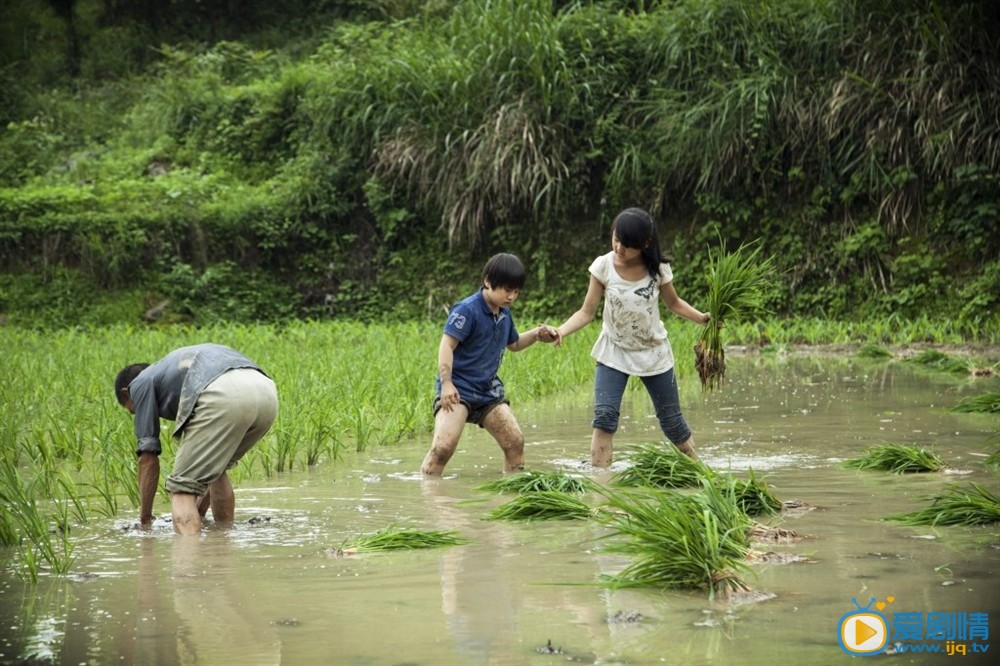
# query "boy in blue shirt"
(478, 331)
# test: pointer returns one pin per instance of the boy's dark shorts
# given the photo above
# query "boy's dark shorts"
(477, 410)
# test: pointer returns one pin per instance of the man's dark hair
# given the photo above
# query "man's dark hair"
(504, 271)
(125, 377)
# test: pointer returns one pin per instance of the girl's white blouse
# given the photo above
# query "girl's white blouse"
(633, 338)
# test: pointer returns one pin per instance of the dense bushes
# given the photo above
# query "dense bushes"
(369, 174)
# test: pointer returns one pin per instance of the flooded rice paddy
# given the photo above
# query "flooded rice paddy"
(268, 592)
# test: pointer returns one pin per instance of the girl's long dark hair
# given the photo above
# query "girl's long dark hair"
(635, 228)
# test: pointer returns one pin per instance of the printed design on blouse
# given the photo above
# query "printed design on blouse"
(646, 291)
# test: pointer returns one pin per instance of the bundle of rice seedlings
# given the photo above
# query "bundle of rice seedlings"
(678, 540)
(736, 286)
(936, 360)
(898, 459)
(542, 505)
(873, 351)
(985, 403)
(972, 505)
(753, 497)
(532, 481)
(992, 460)
(661, 466)
(394, 537)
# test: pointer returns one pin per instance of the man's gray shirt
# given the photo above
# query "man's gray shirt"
(170, 388)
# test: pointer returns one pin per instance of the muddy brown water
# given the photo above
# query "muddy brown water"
(266, 592)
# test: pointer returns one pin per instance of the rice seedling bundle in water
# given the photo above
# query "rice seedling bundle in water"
(937, 360)
(985, 403)
(737, 282)
(533, 481)
(898, 459)
(542, 505)
(394, 537)
(753, 497)
(677, 540)
(972, 505)
(661, 466)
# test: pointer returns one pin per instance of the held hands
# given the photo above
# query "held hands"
(548, 333)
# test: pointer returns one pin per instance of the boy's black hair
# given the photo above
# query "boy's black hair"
(125, 377)
(504, 271)
(635, 228)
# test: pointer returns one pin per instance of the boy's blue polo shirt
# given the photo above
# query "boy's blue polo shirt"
(482, 341)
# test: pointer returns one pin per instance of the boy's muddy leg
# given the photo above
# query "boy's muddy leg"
(502, 425)
(601, 444)
(448, 428)
(687, 448)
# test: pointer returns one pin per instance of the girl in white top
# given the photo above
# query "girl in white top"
(632, 278)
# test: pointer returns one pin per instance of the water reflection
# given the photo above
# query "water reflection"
(219, 622)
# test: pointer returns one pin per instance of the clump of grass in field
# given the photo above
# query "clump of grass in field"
(937, 360)
(898, 459)
(661, 466)
(985, 403)
(873, 351)
(533, 481)
(678, 540)
(394, 537)
(737, 282)
(542, 505)
(753, 497)
(971, 505)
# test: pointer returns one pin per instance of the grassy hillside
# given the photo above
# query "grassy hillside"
(363, 159)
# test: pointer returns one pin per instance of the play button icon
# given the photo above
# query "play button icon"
(863, 633)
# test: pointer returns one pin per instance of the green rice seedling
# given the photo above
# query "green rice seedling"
(871, 350)
(737, 282)
(542, 505)
(532, 481)
(985, 403)
(993, 459)
(394, 537)
(9, 536)
(937, 360)
(898, 459)
(972, 505)
(36, 537)
(661, 466)
(677, 540)
(753, 497)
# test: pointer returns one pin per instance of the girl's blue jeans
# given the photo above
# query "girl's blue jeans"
(609, 387)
